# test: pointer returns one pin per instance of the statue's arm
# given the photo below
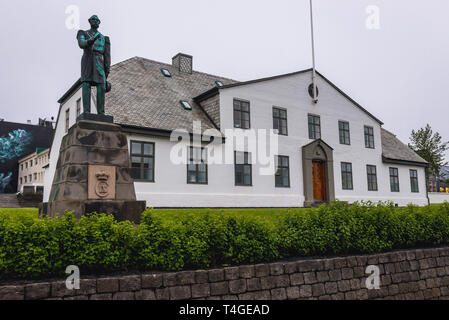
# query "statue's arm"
(107, 56)
(82, 41)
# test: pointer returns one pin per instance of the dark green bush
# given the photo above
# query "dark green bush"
(97, 243)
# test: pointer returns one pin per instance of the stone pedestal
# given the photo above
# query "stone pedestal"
(93, 173)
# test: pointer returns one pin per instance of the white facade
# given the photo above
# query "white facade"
(32, 172)
(170, 187)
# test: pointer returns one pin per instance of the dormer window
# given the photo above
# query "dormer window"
(219, 83)
(166, 73)
(186, 105)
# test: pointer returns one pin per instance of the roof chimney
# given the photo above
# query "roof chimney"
(183, 63)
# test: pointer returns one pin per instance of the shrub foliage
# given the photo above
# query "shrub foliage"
(97, 243)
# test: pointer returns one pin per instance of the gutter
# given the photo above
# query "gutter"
(404, 162)
(158, 132)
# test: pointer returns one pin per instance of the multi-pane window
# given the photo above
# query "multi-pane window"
(346, 175)
(78, 108)
(241, 114)
(372, 177)
(343, 129)
(67, 120)
(243, 169)
(142, 161)
(31, 163)
(314, 127)
(394, 179)
(280, 121)
(369, 137)
(35, 176)
(282, 172)
(197, 166)
(414, 180)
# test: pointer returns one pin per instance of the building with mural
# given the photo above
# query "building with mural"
(18, 140)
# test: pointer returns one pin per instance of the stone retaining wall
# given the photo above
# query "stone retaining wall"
(411, 274)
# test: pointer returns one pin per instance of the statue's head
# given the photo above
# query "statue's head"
(94, 22)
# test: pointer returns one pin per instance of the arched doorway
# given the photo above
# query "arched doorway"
(318, 173)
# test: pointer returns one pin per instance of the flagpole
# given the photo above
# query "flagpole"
(315, 100)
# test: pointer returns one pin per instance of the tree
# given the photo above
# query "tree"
(429, 146)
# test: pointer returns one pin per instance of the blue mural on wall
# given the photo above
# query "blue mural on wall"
(17, 140)
(4, 181)
(15, 144)
(12, 146)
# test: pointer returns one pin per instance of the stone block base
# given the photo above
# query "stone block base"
(121, 210)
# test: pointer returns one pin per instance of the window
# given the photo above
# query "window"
(186, 105)
(21, 167)
(67, 119)
(414, 180)
(314, 127)
(197, 166)
(142, 161)
(346, 175)
(372, 177)
(166, 73)
(369, 137)
(243, 169)
(35, 161)
(394, 179)
(31, 163)
(26, 165)
(280, 121)
(219, 83)
(35, 176)
(30, 178)
(241, 114)
(26, 179)
(343, 128)
(78, 108)
(282, 172)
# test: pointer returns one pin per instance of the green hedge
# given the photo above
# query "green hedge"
(97, 243)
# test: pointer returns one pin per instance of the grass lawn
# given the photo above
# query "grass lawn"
(16, 213)
(267, 214)
(262, 213)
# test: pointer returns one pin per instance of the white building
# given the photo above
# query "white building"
(32, 171)
(334, 149)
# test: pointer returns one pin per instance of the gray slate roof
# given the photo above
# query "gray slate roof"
(394, 149)
(141, 96)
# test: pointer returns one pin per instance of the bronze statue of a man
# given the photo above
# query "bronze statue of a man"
(95, 64)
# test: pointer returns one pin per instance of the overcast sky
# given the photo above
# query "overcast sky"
(399, 72)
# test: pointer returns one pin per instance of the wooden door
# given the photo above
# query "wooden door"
(319, 181)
